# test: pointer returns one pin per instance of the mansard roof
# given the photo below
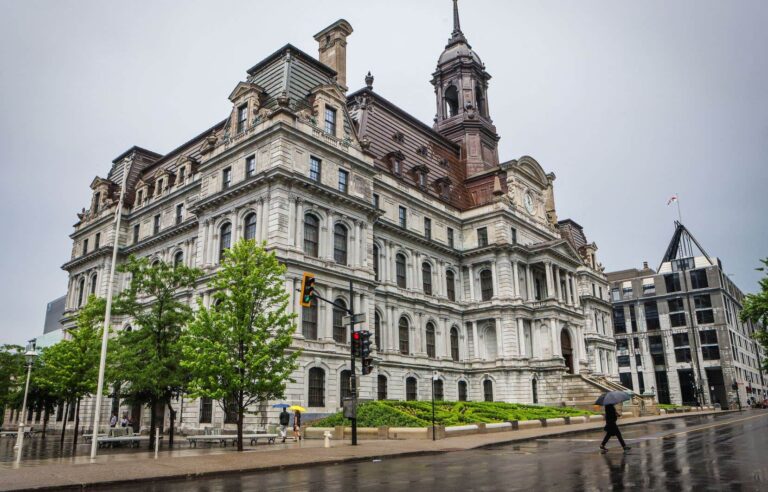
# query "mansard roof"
(392, 131)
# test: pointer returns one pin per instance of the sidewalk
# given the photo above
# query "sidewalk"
(79, 473)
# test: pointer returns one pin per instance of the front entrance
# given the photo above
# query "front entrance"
(567, 350)
(716, 386)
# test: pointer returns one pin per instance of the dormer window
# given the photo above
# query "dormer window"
(159, 189)
(421, 175)
(96, 200)
(182, 172)
(422, 180)
(444, 187)
(330, 120)
(242, 117)
(139, 197)
(396, 162)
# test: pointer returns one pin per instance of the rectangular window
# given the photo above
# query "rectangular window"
(638, 360)
(85, 247)
(156, 224)
(615, 295)
(632, 319)
(676, 312)
(450, 237)
(139, 197)
(656, 347)
(343, 181)
(682, 347)
(513, 235)
(623, 361)
(649, 289)
(226, 178)
(619, 320)
(482, 237)
(402, 217)
(672, 281)
(96, 241)
(652, 316)
(330, 120)
(179, 213)
(315, 165)
(427, 228)
(136, 233)
(699, 279)
(250, 166)
(182, 171)
(242, 117)
(704, 313)
(375, 201)
(206, 410)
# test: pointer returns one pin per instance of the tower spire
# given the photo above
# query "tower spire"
(456, 36)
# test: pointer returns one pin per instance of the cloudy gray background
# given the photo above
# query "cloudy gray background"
(626, 102)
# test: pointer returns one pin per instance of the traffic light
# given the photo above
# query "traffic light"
(307, 289)
(367, 365)
(356, 339)
(365, 344)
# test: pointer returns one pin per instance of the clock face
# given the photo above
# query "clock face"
(528, 202)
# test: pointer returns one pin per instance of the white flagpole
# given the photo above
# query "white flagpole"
(108, 314)
(679, 215)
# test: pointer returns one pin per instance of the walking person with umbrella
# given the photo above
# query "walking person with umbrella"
(608, 400)
(297, 409)
(285, 419)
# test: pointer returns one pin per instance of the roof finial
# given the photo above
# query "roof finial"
(456, 23)
(369, 80)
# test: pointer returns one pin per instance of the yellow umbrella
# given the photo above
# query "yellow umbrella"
(298, 408)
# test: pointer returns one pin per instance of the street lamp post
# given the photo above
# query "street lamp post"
(30, 356)
(434, 378)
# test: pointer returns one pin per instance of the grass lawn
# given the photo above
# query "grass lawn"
(668, 406)
(419, 413)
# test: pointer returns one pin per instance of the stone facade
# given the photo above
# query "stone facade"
(678, 332)
(459, 262)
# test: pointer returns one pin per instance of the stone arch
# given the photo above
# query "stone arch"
(568, 349)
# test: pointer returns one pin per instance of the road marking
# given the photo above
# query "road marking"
(696, 429)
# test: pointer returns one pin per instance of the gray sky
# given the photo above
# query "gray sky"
(626, 102)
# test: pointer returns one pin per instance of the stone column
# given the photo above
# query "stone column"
(556, 350)
(327, 330)
(417, 280)
(499, 326)
(521, 338)
(299, 235)
(329, 238)
(265, 222)
(444, 340)
(353, 242)
(515, 280)
(475, 343)
(393, 331)
(550, 286)
(558, 289)
(471, 283)
(529, 282)
(497, 284)
(568, 292)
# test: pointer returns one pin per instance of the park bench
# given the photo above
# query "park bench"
(133, 441)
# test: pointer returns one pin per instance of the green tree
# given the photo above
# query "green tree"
(755, 309)
(68, 370)
(12, 373)
(145, 362)
(237, 350)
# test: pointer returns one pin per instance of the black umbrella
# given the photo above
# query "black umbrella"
(612, 398)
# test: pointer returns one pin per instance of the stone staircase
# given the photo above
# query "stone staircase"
(581, 391)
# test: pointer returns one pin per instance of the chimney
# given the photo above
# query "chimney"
(645, 265)
(332, 46)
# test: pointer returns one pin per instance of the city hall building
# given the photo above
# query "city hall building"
(457, 258)
(678, 332)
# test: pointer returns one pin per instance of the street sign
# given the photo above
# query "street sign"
(350, 407)
(356, 319)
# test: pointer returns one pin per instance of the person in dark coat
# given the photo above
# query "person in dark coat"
(612, 429)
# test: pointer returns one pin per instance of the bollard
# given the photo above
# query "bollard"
(327, 435)
(157, 441)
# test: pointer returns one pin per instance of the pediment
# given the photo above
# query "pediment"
(528, 167)
(98, 182)
(244, 88)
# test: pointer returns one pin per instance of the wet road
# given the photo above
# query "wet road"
(725, 452)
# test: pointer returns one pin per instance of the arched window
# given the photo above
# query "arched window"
(80, 292)
(486, 284)
(309, 322)
(93, 284)
(339, 330)
(426, 274)
(225, 239)
(376, 262)
(411, 389)
(155, 263)
(430, 340)
(250, 226)
(316, 387)
(311, 235)
(454, 343)
(488, 390)
(377, 330)
(345, 385)
(381, 383)
(451, 101)
(534, 391)
(403, 335)
(178, 259)
(400, 270)
(462, 391)
(450, 285)
(480, 100)
(340, 244)
(439, 396)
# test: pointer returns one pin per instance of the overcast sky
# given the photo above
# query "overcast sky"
(626, 102)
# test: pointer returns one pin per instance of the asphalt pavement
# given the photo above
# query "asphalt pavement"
(714, 452)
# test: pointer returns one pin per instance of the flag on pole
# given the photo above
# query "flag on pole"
(672, 199)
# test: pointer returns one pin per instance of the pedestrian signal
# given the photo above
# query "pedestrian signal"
(307, 289)
(367, 365)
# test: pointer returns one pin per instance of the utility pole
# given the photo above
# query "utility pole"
(352, 361)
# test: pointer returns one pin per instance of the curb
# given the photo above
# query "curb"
(351, 459)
